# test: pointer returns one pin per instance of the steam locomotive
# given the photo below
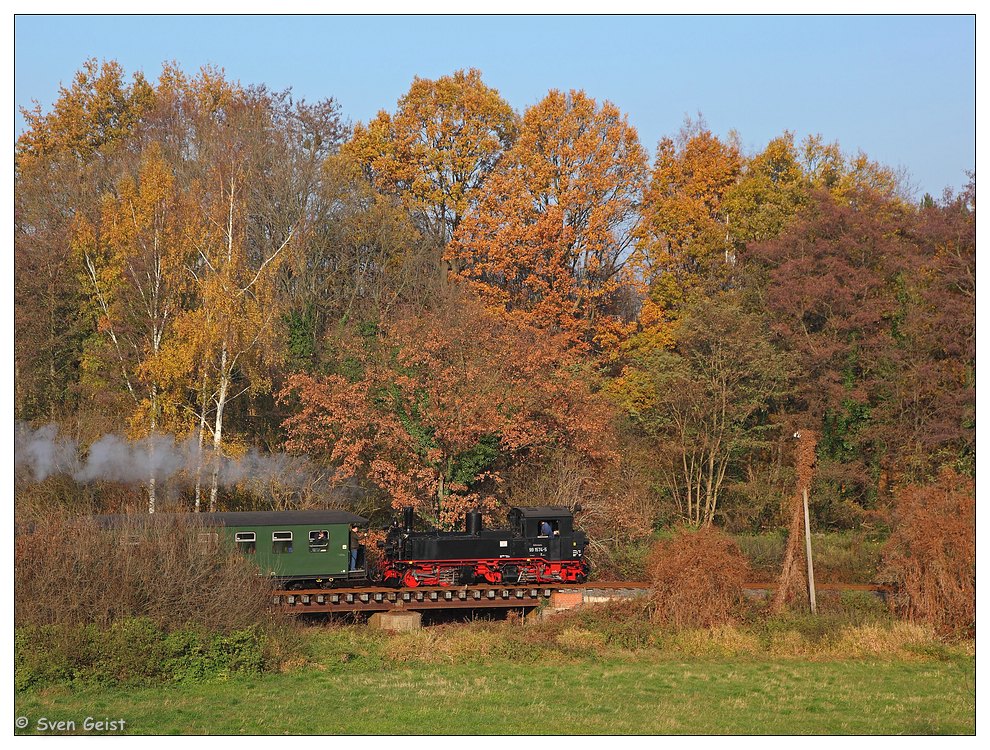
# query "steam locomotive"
(540, 546)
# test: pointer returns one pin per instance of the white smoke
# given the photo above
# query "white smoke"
(42, 452)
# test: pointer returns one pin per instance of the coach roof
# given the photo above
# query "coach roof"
(245, 518)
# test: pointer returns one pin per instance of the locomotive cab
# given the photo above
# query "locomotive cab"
(549, 532)
(541, 521)
(539, 546)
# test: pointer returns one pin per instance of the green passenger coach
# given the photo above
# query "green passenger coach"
(301, 547)
(297, 548)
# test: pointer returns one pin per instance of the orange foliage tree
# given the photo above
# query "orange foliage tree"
(441, 402)
(97, 109)
(548, 240)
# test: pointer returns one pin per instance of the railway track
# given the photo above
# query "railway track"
(505, 596)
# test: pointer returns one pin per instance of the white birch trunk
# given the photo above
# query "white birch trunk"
(218, 427)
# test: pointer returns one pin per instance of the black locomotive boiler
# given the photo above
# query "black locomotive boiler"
(540, 545)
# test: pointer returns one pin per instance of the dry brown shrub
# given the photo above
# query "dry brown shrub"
(696, 578)
(931, 554)
(70, 571)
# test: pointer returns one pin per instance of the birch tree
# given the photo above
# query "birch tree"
(132, 263)
(230, 330)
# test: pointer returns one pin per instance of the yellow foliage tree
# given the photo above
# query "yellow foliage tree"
(134, 264)
(438, 148)
(683, 245)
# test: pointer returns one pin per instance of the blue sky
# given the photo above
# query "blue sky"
(900, 88)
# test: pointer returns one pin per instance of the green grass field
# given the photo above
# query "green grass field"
(631, 693)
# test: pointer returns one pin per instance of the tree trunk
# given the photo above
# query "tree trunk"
(439, 500)
(218, 427)
(199, 446)
(151, 449)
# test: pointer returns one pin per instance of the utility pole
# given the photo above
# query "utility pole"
(807, 542)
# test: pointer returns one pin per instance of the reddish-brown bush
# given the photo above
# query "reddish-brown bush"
(931, 553)
(696, 578)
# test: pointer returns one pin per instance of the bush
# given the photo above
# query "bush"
(69, 571)
(625, 562)
(931, 554)
(136, 651)
(696, 578)
(622, 624)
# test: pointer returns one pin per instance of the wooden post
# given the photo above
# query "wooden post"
(807, 542)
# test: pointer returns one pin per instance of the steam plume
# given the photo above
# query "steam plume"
(43, 453)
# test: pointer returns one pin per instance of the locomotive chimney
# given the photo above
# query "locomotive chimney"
(407, 518)
(472, 522)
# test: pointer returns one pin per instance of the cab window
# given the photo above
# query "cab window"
(319, 540)
(281, 542)
(246, 542)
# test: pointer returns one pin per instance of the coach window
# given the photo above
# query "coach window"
(246, 542)
(547, 528)
(319, 540)
(281, 542)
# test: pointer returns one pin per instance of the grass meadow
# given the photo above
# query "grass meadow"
(591, 673)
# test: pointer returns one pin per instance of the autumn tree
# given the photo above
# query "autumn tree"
(64, 161)
(707, 401)
(879, 311)
(230, 330)
(776, 183)
(361, 258)
(827, 288)
(437, 149)
(97, 109)
(931, 553)
(550, 235)
(926, 401)
(49, 323)
(133, 263)
(437, 404)
(683, 245)
(769, 193)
